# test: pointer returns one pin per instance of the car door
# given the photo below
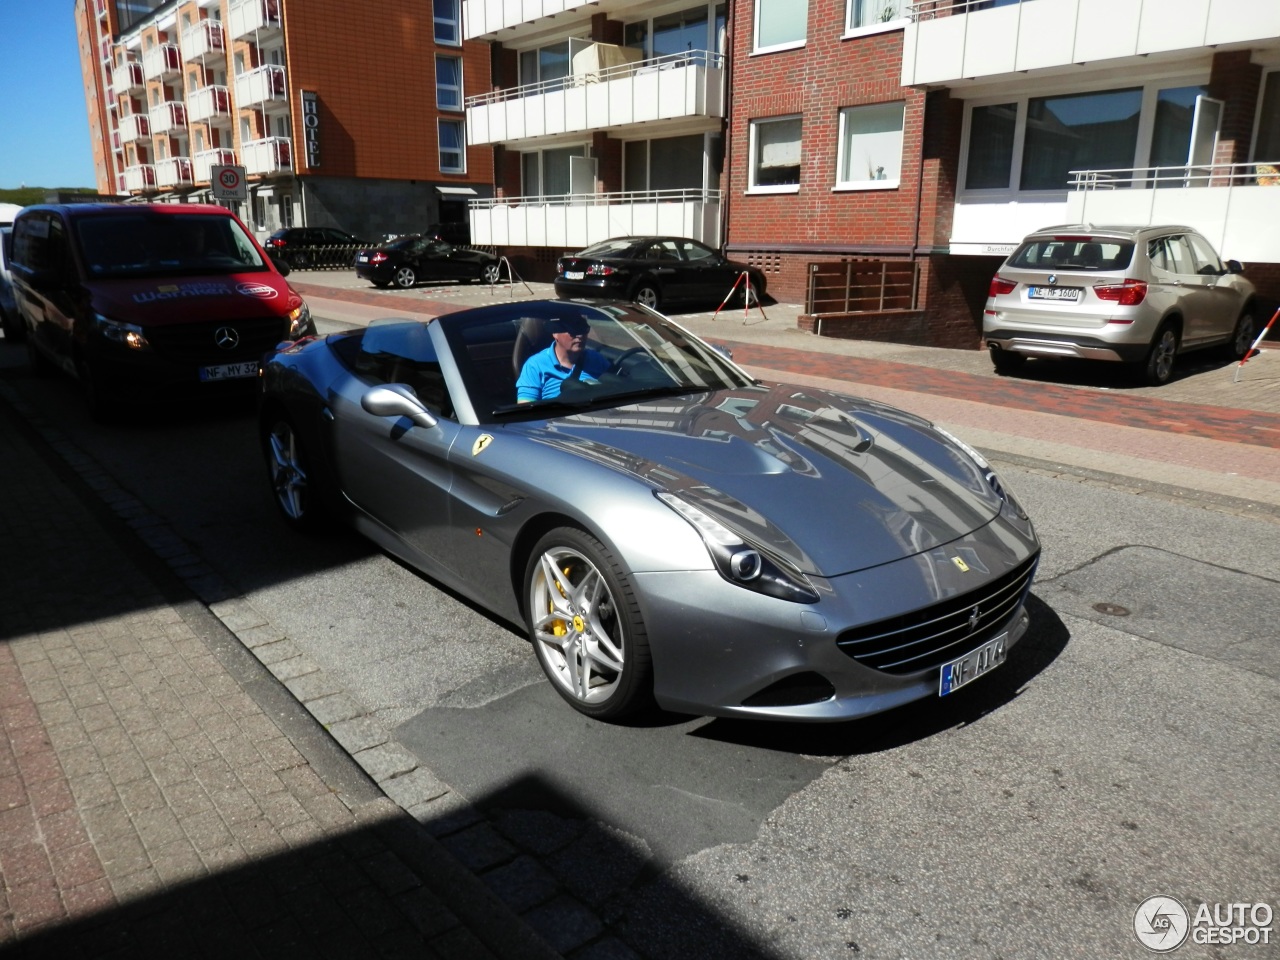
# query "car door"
(1174, 268)
(47, 284)
(396, 471)
(712, 276)
(438, 261)
(1223, 302)
(663, 260)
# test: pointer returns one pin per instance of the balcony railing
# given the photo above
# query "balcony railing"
(595, 95)
(481, 17)
(956, 41)
(161, 61)
(1236, 206)
(141, 176)
(209, 103)
(203, 39)
(127, 76)
(204, 161)
(174, 172)
(272, 155)
(168, 117)
(135, 127)
(579, 220)
(261, 86)
(246, 16)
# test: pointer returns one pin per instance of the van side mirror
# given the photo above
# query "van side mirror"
(282, 267)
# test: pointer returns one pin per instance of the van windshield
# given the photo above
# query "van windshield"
(135, 243)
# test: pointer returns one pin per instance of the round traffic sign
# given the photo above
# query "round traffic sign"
(229, 177)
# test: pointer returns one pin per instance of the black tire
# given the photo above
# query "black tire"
(1157, 369)
(298, 261)
(585, 626)
(289, 471)
(747, 295)
(489, 274)
(1243, 336)
(647, 294)
(405, 278)
(1005, 361)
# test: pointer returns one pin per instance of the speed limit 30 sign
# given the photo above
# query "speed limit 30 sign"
(228, 183)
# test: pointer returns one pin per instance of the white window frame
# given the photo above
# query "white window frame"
(882, 26)
(842, 145)
(456, 22)
(458, 107)
(776, 47)
(753, 126)
(1142, 153)
(462, 144)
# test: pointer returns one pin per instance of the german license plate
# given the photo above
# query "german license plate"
(574, 274)
(230, 371)
(1069, 294)
(362, 258)
(972, 665)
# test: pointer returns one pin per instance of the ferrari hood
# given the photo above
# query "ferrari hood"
(160, 301)
(831, 483)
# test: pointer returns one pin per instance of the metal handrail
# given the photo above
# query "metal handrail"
(1187, 175)
(929, 9)
(600, 199)
(671, 61)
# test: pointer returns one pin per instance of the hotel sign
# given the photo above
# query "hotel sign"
(311, 128)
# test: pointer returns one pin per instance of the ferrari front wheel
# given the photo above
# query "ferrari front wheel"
(585, 625)
(290, 474)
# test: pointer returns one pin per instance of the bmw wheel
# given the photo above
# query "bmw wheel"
(1004, 361)
(585, 625)
(647, 295)
(1242, 338)
(290, 473)
(1157, 369)
(405, 277)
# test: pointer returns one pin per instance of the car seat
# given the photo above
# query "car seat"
(531, 337)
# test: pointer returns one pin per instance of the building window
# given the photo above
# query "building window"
(676, 33)
(1266, 145)
(870, 150)
(775, 155)
(449, 83)
(447, 21)
(548, 173)
(871, 15)
(545, 64)
(780, 24)
(991, 134)
(1085, 131)
(452, 146)
(670, 163)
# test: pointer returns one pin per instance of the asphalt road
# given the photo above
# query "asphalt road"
(1126, 750)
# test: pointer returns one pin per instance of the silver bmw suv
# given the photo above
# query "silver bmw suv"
(1138, 295)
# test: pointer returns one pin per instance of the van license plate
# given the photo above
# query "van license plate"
(972, 665)
(230, 371)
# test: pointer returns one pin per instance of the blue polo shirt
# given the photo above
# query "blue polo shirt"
(541, 375)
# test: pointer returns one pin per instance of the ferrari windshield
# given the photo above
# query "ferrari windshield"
(133, 243)
(541, 356)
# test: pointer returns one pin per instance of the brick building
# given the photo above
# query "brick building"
(339, 117)
(883, 157)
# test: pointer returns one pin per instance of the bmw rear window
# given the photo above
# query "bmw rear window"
(1073, 253)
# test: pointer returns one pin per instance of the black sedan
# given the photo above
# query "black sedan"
(303, 247)
(656, 272)
(407, 260)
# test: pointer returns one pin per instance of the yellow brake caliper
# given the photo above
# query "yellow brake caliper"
(559, 628)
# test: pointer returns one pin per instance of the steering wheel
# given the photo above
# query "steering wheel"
(623, 357)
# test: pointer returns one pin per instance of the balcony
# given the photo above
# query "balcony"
(204, 162)
(262, 87)
(161, 62)
(169, 117)
(135, 127)
(174, 172)
(1236, 206)
(272, 155)
(203, 40)
(209, 103)
(603, 92)
(484, 17)
(577, 221)
(139, 177)
(953, 42)
(127, 77)
(247, 16)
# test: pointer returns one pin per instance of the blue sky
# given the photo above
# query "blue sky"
(44, 126)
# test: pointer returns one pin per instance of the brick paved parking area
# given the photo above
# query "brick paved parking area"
(152, 802)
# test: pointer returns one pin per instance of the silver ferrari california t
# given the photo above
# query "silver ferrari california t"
(666, 528)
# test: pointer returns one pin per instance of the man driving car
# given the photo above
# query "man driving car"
(543, 373)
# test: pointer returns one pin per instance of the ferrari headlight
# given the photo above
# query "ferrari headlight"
(299, 320)
(988, 472)
(739, 561)
(127, 334)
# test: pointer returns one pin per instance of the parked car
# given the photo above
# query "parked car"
(1137, 295)
(655, 271)
(668, 529)
(9, 321)
(134, 298)
(303, 247)
(409, 260)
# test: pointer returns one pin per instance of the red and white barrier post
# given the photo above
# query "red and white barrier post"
(1254, 348)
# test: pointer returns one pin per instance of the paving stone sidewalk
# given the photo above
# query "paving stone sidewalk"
(162, 795)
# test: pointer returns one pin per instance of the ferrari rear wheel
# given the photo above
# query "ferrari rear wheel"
(289, 471)
(585, 625)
